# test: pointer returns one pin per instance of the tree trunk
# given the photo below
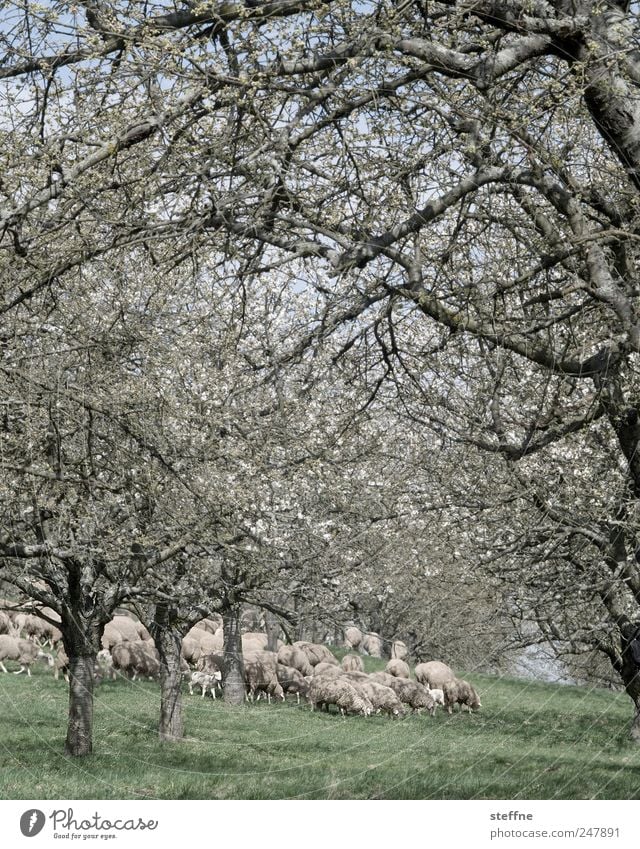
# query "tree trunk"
(629, 671)
(168, 640)
(79, 740)
(234, 689)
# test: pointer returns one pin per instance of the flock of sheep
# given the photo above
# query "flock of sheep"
(303, 669)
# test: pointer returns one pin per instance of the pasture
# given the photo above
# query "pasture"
(529, 741)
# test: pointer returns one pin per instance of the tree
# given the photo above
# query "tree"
(457, 183)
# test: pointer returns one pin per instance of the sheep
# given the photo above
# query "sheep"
(352, 637)
(136, 658)
(104, 665)
(210, 625)
(197, 642)
(399, 650)
(292, 681)
(295, 657)
(210, 663)
(325, 691)
(413, 694)
(372, 644)
(383, 678)
(61, 664)
(383, 699)
(23, 651)
(437, 695)
(327, 669)
(260, 671)
(398, 668)
(352, 663)
(205, 681)
(434, 673)
(316, 653)
(6, 625)
(460, 692)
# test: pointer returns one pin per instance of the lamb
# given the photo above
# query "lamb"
(460, 692)
(205, 682)
(437, 695)
(23, 651)
(398, 668)
(327, 691)
(136, 658)
(292, 681)
(327, 669)
(295, 657)
(352, 663)
(104, 665)
(434, 674)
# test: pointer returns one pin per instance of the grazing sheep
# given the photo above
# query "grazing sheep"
(352, 663)
(327, 669)
(462, 693)
(260, 671)
(136, 658)
(399, 650)
(383, 678)
(398, 668)
(295, 657)
(292, 681)
(434, 673)
(325, 691)
(23, 651)
(316, 653)
(352, 637)
(372, 644)
(383, 699)
(413, 694)
(205, 682)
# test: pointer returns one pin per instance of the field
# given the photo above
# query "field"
(529, 741)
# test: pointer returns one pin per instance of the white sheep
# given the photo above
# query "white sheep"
(398, 668)
(399, 650)
(434, 673)
(352, 637)
(292, 681)
(462, 693)
(136, 658)
(437, 695)
(383, 699)
(295, 657)
(352, 663)
(316, 653)
(205, 681)
(23, 651)
(260, 671)
(325, 691)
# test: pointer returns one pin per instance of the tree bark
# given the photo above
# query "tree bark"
(79, 740)
(234, 688)
(168, 640)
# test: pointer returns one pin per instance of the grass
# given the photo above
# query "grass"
(529, 741)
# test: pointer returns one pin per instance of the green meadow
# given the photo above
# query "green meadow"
(529, 741)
